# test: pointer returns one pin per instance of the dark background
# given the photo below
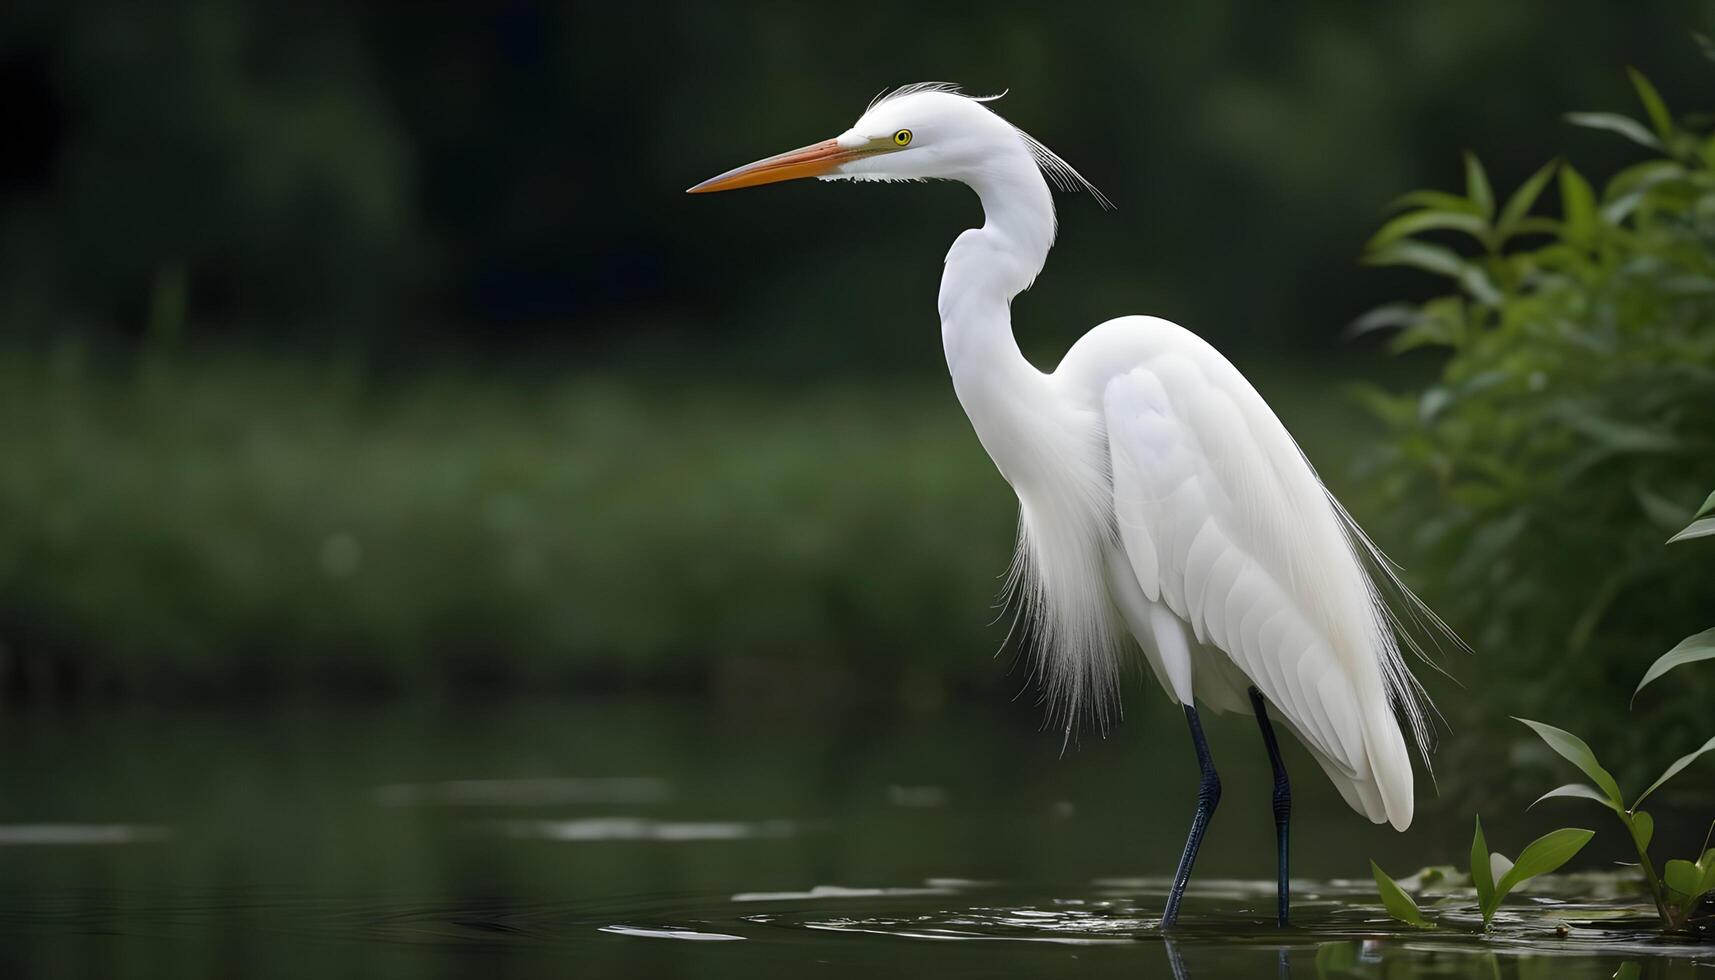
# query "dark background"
(394, 178)
(355, 351)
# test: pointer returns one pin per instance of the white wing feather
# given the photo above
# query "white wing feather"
(1225, 523)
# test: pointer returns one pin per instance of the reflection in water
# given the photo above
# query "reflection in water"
(670, 934)
(1176, 961)
(1232, 934)
(917, 796)
(621, 790)
(640, 828)
(80, 834)
(1370, 961)
(839, 891)
(346, 845)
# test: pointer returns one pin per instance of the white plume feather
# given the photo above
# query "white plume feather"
(1059, 173)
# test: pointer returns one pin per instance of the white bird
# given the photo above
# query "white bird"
(1160, 499)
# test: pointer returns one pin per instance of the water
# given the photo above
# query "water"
(669, 839)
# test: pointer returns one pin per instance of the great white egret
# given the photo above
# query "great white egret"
(1160, 499)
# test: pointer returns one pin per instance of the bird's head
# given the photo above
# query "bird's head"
(927, 131)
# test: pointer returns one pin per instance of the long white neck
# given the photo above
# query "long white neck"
(985, 269)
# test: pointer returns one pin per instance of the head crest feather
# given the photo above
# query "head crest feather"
(1060, 174)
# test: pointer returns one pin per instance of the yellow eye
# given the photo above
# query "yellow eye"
(902, 138)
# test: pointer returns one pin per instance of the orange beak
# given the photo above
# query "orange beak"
(809, 161)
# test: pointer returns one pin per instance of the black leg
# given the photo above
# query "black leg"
(1208, 797)
(1282, 801)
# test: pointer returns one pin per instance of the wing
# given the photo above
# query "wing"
(1225, 523)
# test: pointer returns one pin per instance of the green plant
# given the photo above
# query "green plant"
(1693, 648)
(1570, 426)
(1689, 650)
(1702, 523)
(1397, 900)
(1575, 395)
(1546, 853)
(1676, 891)
(1492, 874)
(1682, 882)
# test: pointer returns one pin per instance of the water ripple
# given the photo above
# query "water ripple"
(564, 791)
(643, 828)
(83, 834)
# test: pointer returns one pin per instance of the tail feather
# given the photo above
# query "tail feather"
(1390, 764)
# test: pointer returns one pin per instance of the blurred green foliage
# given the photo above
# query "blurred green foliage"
(1572, 430)
(221, 522)
(231, 162)
(367, 176)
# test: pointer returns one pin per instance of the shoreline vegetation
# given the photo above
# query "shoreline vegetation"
(200, 525)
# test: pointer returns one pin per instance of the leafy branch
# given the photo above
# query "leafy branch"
(1676, 892)
(1504, 444)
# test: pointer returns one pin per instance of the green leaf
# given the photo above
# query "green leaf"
(1702, 523)
(1706, 867)
(1435, 201)
(1477, 186)
(1427, 220)
(1482, 875)
(1430, 331)
(1391, 316)
(1696, 529)
(1614, 123)
(1643, 830)
(1532, 224)
(1690, 650)
(1546, 853)
(1520, 203)
(1642, 177)
(1577, 204)
(1580, 790)
(1616, 212)
(1572, 748)
(1682, 876)
(1430, 258)
(1654, 107)
(1674, 770)
(1396, 901)
(1479, 285)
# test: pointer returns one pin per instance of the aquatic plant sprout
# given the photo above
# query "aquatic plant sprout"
(1675, 894)
(1493, 874)
(1398, 903)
